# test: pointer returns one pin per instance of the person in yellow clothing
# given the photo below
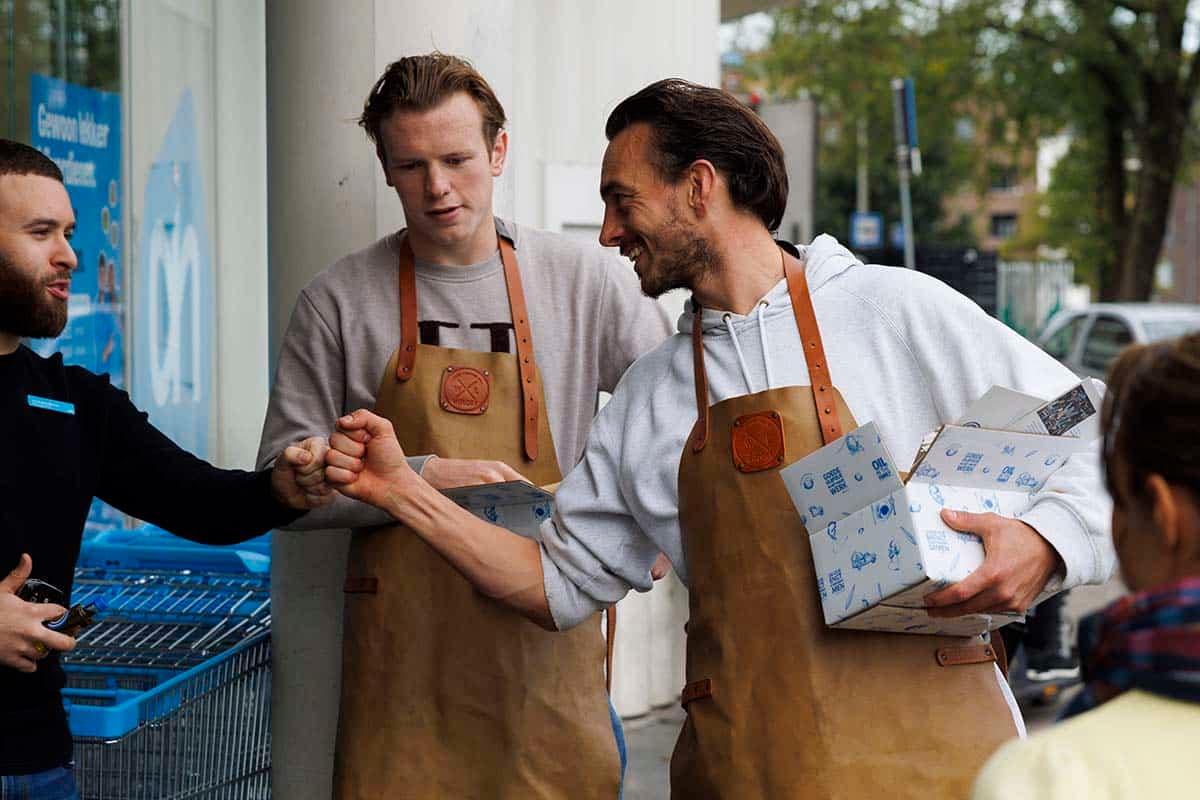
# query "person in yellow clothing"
(1133, 730)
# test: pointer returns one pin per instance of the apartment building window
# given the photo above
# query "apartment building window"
(1003, 178)
(1004, 226)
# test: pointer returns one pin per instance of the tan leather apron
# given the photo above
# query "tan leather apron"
(445, 692)
(778, 705)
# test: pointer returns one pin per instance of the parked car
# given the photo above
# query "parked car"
(1086, 340)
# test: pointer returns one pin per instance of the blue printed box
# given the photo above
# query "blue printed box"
(879, 544)
(521, 507)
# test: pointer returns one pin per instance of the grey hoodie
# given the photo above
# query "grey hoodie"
(904, 349)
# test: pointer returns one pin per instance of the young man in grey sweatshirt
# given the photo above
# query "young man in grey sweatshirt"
(441, 149)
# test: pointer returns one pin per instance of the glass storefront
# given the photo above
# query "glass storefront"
(74, 40)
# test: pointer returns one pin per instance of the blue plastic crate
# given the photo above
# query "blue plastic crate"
(150, 548)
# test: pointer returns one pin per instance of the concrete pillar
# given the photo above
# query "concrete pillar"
(321, 190)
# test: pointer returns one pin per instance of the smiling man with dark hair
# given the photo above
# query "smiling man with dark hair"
(68, 437)
(804, 342)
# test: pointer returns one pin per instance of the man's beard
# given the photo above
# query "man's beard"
(25, 308)
(681, 259)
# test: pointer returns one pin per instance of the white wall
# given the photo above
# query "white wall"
(794, 123)
(576, 62)
(558, 68)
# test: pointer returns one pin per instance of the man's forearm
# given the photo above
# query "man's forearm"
(501, 564)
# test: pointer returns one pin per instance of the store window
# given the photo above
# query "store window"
(62, 80)
(73, 40)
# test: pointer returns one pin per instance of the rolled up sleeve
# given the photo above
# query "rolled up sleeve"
(593, 549)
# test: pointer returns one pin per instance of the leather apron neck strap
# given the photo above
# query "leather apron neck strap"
(814, 355)
(530, 385)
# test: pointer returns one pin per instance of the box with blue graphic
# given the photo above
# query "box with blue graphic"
(879, 544)
(519, 506)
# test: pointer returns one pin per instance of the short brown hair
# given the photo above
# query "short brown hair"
(419, 83)
(21, 159)
(689, 122)
(1151, 415)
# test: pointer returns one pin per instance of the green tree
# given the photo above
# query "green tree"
(1120, 76)
(845, 54)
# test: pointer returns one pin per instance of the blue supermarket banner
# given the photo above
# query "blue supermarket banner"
(80, 129)
(173, 297)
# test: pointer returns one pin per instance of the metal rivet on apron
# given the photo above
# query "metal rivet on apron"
(779, 458)
(409, 348)
(483, 408)
(737, 423)
(485, 372)
(827, 411)
(529, 379)
(821, 388)
(812, 345)
(451, 369)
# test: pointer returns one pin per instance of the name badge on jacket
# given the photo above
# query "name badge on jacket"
(49, 404)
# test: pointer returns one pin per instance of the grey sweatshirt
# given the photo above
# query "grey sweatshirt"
(589, 318)
(906, 352)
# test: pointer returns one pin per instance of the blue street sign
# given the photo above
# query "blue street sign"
(866, 230)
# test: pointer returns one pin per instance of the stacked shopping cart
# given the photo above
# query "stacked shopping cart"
(168, 694)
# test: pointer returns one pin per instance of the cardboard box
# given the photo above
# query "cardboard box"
(519, 506)
(879, 544)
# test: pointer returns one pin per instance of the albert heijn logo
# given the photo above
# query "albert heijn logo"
(465, 390)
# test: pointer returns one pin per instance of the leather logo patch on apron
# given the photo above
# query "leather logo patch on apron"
(465, 390)
(757, 441)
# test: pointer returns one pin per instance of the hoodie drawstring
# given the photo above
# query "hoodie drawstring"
(762, 337)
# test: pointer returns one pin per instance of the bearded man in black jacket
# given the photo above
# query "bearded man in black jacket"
(67, 436)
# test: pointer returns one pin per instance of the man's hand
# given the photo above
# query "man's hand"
(1016, 566)
(23, 638)
(298, 479)
(365, 460)
(446, 473)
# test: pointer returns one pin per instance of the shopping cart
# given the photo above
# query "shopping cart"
(168, 694)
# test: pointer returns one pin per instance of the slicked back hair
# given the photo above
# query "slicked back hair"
(419, 83)
(690, 122)
(21, 159)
